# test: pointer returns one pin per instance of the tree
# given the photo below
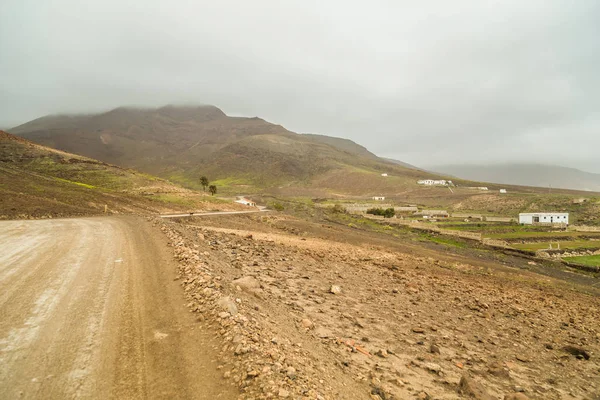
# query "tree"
(212, 189)
(204, 182)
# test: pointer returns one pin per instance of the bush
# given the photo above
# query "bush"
(387, 213)
(338, 209)
(276, 206)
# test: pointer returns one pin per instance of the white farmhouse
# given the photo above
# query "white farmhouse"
(385, 175)
(544, 218)
(379, 198)
(434, 182)
(503, 191)
(245, 201)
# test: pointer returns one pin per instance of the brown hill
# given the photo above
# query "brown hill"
(183, 143)
(36, 181)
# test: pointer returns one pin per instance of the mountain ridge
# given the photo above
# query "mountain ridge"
(183, 142)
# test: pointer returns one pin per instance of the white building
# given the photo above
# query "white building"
(502, 191)
(379, 198)
(544, 218)
(434, 182)
(245, 201)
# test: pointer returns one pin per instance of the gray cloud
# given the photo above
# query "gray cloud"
(428, 83)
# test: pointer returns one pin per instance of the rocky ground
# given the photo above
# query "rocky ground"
(300, 316)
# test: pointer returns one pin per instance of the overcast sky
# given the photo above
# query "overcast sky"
(427, 82)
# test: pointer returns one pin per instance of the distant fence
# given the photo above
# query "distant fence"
(467, 215)
(495, 243)
(500, 219)
(583, 228)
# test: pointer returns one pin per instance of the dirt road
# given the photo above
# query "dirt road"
(89, 309)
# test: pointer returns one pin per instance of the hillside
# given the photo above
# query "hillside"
(527, 175)
(36, 181)
(239, 154)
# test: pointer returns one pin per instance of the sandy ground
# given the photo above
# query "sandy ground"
(313, 311)
(89, 309)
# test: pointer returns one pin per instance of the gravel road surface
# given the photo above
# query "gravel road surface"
(89, 309)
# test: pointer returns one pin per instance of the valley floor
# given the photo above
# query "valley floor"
(307, 310)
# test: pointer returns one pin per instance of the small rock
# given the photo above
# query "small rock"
(469, 387)
(253, 374)
(498, 370)
(247, 284)
(284, 394)
(227, 304)
(434, 349)
(577, 352)
(307, 323)
(435, 368)
(335, 289)
(291, 372)
(516, 396)
(418, 330)
(381, 353)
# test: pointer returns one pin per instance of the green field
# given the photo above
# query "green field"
(569, 244)
(592, 261)
(540, 234)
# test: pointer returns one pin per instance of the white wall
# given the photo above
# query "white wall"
(545, 218)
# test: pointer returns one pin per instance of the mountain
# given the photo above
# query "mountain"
(36, 181)
(343, 144)
(407, 165)
(237, 154)
(527, 175)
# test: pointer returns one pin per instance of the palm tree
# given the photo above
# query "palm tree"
(212, 189)
(204, 182)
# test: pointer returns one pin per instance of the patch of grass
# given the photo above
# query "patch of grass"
(591, 261)
(573, 244)
(444, 240)
(85, 185)
(538, 234)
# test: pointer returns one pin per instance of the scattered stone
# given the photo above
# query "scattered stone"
(434, 349)
(435, 368)
(516, 396)
(247, 284)
(423, 396)
(291, 372)
(307, 324)
(284, 394)
(381, 353)
(469, 387)
(418, 330)
(335, 289)
(227, 304)
(324, 333)
(577, 352)
(498, 370)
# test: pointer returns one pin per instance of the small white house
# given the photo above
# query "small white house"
(379, 198)
(245, 201)
(502, 191)
(384, 175)
(434, 182)
(544, 218)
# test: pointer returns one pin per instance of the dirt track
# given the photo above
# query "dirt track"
(89, 309)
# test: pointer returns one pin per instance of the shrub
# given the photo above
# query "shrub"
(387, 213)
(276, 206)
(338, 209)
